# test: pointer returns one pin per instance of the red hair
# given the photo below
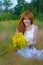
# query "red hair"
(21, 27)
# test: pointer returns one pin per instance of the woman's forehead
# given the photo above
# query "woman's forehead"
(26, 17)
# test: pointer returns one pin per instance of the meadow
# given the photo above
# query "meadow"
(9, 56)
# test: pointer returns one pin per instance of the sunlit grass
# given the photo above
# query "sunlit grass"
(9, 56)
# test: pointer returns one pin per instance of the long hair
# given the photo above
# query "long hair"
(21, 26)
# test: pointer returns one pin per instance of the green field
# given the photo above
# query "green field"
(9, 56)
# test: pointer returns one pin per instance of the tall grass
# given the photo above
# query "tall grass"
(9, 56)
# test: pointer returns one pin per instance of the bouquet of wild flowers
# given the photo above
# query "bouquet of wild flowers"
(19, 41)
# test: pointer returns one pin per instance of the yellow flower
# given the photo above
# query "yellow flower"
(19, 41)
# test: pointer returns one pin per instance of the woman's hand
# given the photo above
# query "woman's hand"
(28, 44)
(31, 43)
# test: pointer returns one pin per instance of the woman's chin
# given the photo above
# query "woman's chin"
(27, 25)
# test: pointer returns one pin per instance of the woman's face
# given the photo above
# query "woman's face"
(27, 21)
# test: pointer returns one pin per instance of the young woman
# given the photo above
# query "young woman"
(30, 31)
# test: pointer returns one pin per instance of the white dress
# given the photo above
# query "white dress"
(30, 52)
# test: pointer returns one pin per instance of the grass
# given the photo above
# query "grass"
(9, 56)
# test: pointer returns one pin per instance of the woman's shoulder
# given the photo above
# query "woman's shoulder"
(35, 27)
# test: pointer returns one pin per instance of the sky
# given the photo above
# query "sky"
(15, 2)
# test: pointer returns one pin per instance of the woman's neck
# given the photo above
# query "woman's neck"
(29, 27)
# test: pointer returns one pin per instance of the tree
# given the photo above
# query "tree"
(38, 4)
(20, 1)
(41, 5)
(7, 4)
(21, 6)
(1, 7)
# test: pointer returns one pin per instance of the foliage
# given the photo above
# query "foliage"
(7, 4)
(6, 16)
(35, 6)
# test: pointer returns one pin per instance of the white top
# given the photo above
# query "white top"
(30, 34)
(30, 52)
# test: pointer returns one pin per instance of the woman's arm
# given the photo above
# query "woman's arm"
(35, 37)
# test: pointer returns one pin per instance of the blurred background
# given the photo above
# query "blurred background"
(12, 9)
(10, 12)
